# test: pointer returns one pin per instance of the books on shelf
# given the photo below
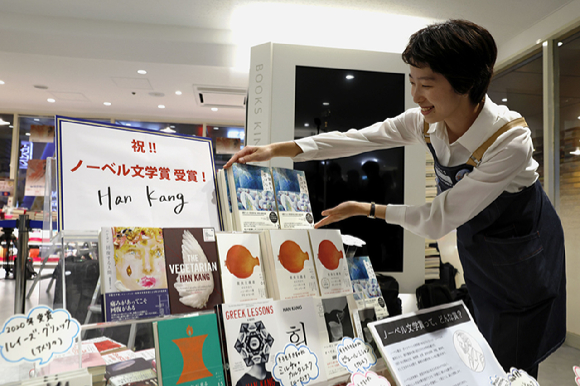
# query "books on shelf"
(188, 351)
(249, 330)
(266, 198)
(225, 201)
(292, 199)
(130, 371)
(432, 261)
(133, 279)
(241, 265)
(365, 286)
(253, 201)
(192, 267)
(288, 264)
(330, 262)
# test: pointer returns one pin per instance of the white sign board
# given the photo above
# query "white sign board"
(438, 346)
(112, 175)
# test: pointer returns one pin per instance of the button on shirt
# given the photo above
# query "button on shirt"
(507, 165)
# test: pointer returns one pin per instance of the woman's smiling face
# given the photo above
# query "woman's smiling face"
(436, 97)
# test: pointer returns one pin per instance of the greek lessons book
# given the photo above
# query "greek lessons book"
(133, 280)
(241, 265)
(330, 262)
(288, 264)
(253, 201)
(292, 198)
(188, 351)
(193, 276)
(250, 330)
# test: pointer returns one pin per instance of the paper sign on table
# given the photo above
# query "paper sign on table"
(38, 336)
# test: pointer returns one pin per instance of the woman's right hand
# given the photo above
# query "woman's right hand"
(251, 154)
(265, 153)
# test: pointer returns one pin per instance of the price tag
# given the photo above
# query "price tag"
(515, 378)
(295, 366)
(38, 336)
(368, 379)
(356, 355)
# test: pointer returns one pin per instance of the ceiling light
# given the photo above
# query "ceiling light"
(127, 124)
(168, 130)
(575, 152)
(3, 122)
(349, 77)
(504, 100)
(214, 109)
(142, 72)
(27, 134)
(560, 44)
(161, 106)
(178, 92)
(50, 100)
(325, 103)
(578, 117)
(307, 125)
(173, 127)
(216, 128)
(538, 41)
(1, 82)
(107, 103)
(36, 120)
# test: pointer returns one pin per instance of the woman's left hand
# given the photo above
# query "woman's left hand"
(343, 211)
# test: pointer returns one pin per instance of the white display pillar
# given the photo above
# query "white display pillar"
(271, 111)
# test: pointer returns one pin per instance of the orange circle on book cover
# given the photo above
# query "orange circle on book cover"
(240, 262)
(292, 257)
(329, 255)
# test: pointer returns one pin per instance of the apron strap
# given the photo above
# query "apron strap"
(426, 135)
(475, 158)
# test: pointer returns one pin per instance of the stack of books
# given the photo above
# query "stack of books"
(432, 261)
(256, 198)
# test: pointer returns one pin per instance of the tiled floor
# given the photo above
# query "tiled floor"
(554, 371)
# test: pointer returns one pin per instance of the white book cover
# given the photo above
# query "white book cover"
(336, 314)
(253, 201)
(441, 343)
(225, 204)
(251, 331)
(330, 262)
(292, 264)
(241, 267)
(292, 198)
(302, 323)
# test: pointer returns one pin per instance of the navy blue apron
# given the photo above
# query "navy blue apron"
(512, 255)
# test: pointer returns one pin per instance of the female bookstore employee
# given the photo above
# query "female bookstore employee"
(509, 237)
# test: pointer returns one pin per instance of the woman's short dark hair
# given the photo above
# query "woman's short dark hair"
(460, 50)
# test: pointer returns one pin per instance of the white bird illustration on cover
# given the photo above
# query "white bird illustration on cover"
(194, 289)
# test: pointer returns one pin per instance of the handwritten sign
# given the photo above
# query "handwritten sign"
(110, 175)
(356, 355)
(368, 379)
(515, 378)
(38, 336)
(295, 366)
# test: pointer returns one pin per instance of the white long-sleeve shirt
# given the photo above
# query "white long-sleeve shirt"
(506, 166)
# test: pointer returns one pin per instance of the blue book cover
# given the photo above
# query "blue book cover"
(129, 305)
(292, 199)
(253, 202)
